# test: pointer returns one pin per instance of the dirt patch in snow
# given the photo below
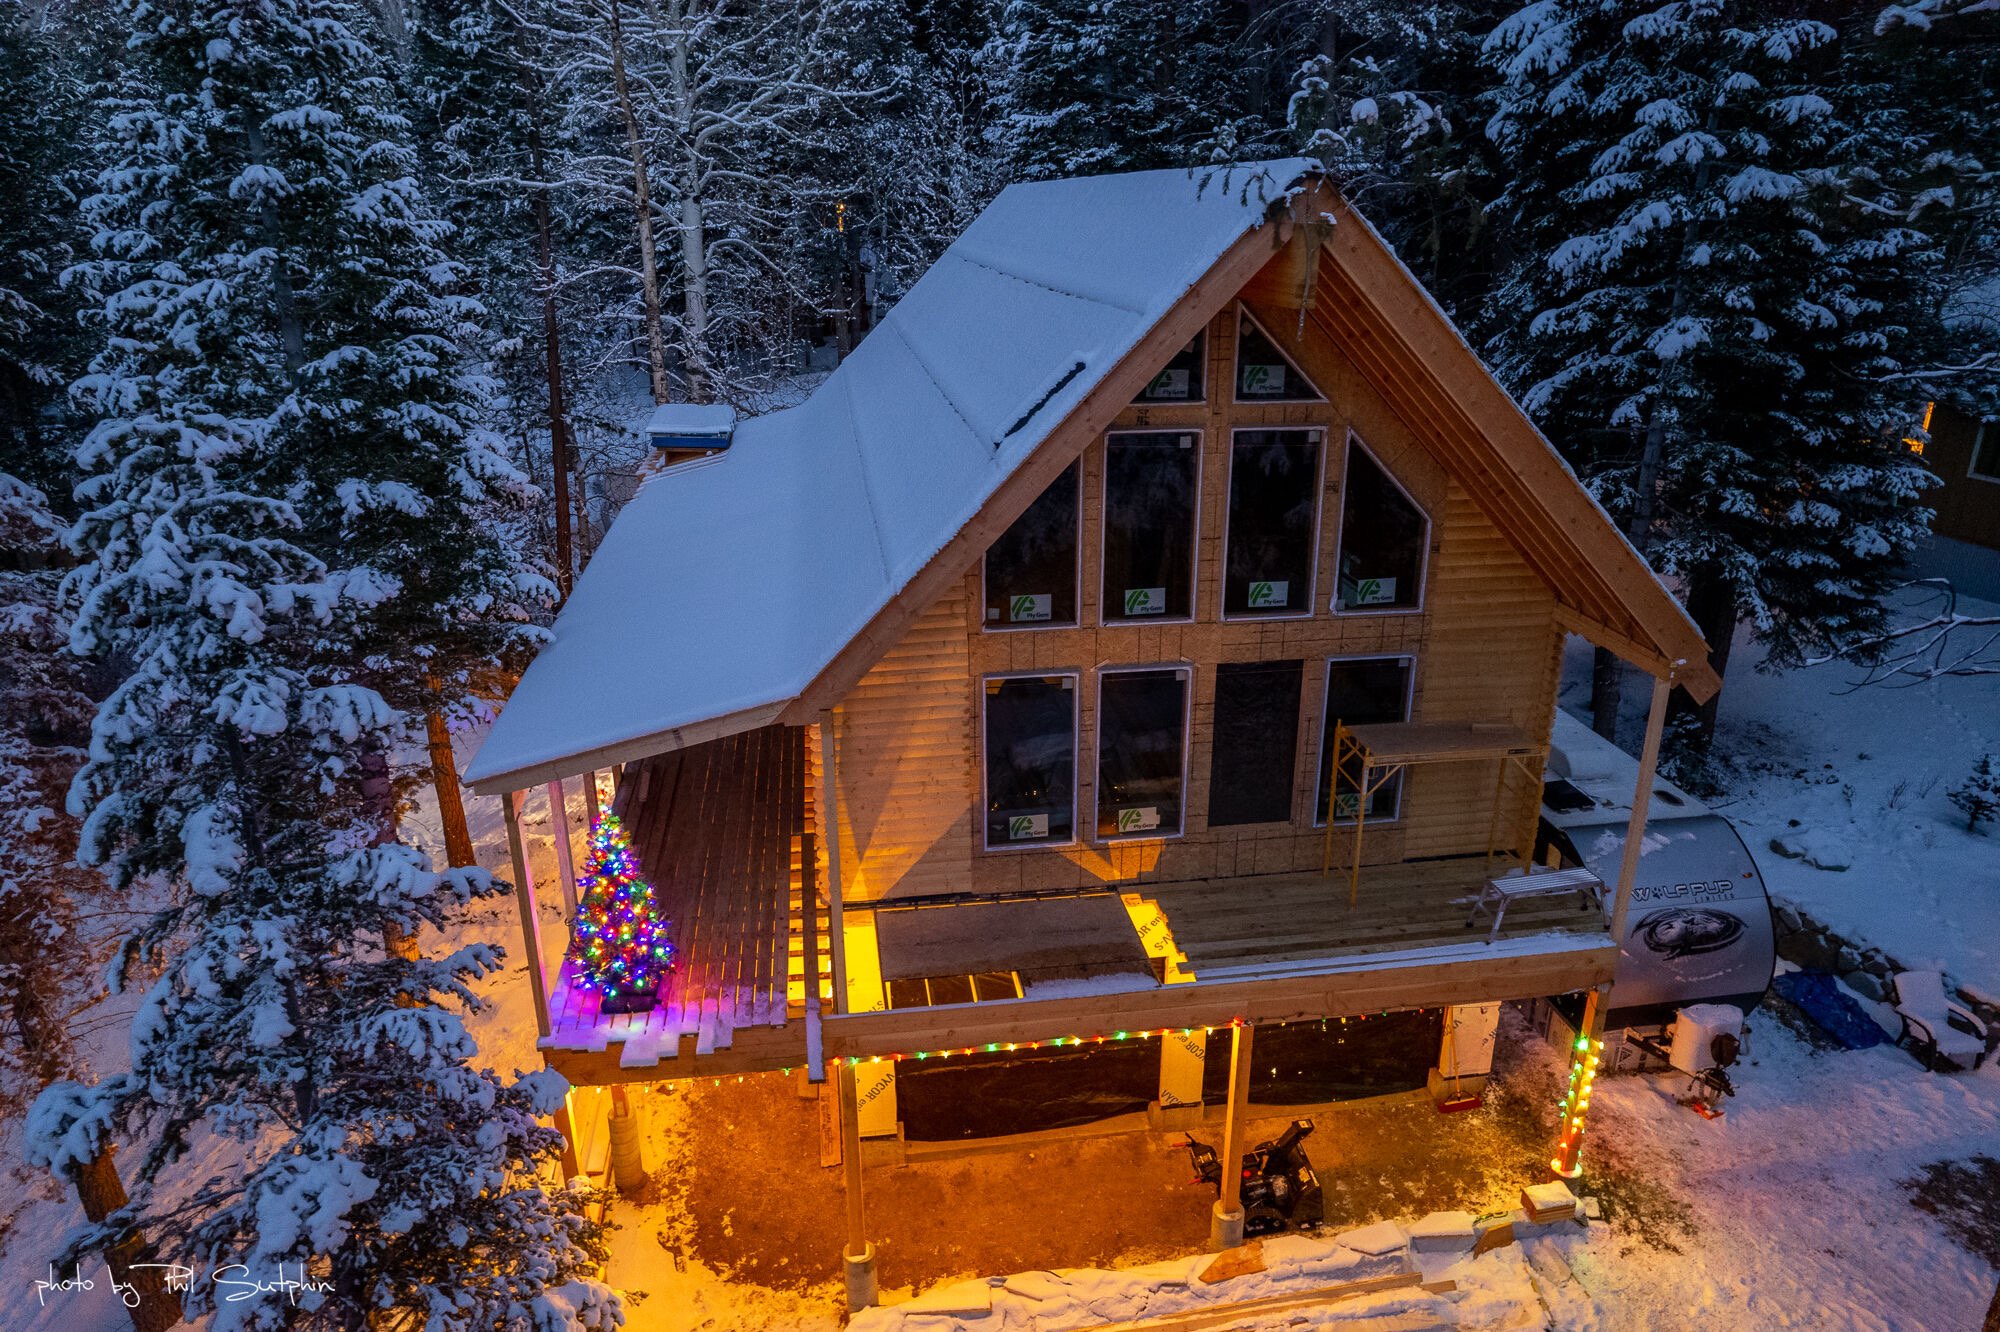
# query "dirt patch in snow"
(1965, 1198)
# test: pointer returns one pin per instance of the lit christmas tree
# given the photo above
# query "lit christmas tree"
(620, 945)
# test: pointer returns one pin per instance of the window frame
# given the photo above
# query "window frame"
(1159, 404)
(1979, 441)
(1075, 760)
(1200, 446)
(1354, 441)
(1187, 668)
(1319, 748)
(1002, 627)
(1290, 819)
(1318, 524)
(1236, 397)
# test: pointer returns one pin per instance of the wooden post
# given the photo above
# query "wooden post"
(1499, 797)
(565, 1117)
(1225, 1228)
(829, 805)
(531, 918)
(858, 1252)
(1642, 800)
(1589, 1045)
(158, 1301)
(565, 853)
(590, 809)
(1360, 821)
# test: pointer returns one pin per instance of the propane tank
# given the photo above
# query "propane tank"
(1696, 1031)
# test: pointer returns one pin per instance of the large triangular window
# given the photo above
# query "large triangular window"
(1384, 537)
(1181, 379)
(1265, 374)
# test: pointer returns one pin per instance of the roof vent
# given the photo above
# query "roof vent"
(683, 429)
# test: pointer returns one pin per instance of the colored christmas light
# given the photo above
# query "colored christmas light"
(1576, 1100)
(620, 943)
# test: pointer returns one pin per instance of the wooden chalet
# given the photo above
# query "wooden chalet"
(1152, 628)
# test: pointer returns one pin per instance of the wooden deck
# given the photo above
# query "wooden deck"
(719, 829)
(1278, 923)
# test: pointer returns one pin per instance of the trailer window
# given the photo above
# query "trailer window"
(1273, 515)
(1256, 742)
(1141, 752)
(1382, 538)
(1030, 733)
(1150, 484)
(1360, 692)
(1031, 569)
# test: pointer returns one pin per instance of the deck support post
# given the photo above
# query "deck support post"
(1589, 1048)
(531, 919)
(590, 810)
(858, 1254)
(565, 853)
(829, 813)
(1225, 1225)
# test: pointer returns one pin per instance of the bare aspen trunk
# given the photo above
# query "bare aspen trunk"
(642, 205)
(693, 225)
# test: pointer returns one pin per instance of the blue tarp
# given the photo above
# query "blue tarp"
(1831, 1008)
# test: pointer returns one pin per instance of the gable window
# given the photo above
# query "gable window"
(1151, 481)
(1383, 539)
(1031, 570)
(1180, 380)
(1141, 752)
(1273, 520)
(1361, 691)
(1986, 453)
(1265, 374)
(1030, 731)
(1256, 742)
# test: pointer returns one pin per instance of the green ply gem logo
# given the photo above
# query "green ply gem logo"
(1030, 606)
(1270, 594)
(1145, 600)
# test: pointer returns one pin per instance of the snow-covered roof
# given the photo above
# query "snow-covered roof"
(727, 584)
(691, 420)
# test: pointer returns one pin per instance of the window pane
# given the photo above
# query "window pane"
(1256, 742)
(1181, 379)
(951, 989)
(1986, 452)
(1141, 730)
(1149, 501)
(1030, 760)
(1361, 692)
(1263, 374)
(1273, 511)
(1381, 539)
(1031, 569)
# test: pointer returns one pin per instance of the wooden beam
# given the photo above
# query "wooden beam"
(1625, 648)
(1063, 445)
(1372, 988)
(850, 1162)
(531, 916)
(1238, 1109)
(565, 853)
(1642, 801)
(829, 817)
(626, 751)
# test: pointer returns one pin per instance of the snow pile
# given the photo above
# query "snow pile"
(1494, 1290)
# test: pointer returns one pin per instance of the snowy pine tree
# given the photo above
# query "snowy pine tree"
(1703, 315)
(288, 495)
(1978, 796)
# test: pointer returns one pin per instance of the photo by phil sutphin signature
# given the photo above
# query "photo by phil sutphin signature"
(233, 1282)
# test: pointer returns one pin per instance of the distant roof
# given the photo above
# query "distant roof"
(691, 420)
(727, 584)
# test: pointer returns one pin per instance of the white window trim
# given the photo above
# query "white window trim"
(1354, 441)
(1319, 749)
(1147, 405)
(1001, 627)
(1194, 546)
(1236, 367)
(1972, 463)
(1075, 678)
(1318, 524)
(1186, 668)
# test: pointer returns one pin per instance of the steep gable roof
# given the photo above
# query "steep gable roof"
(757, 586)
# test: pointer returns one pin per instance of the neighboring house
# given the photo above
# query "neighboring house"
(1152, 628)
(1964, 452)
